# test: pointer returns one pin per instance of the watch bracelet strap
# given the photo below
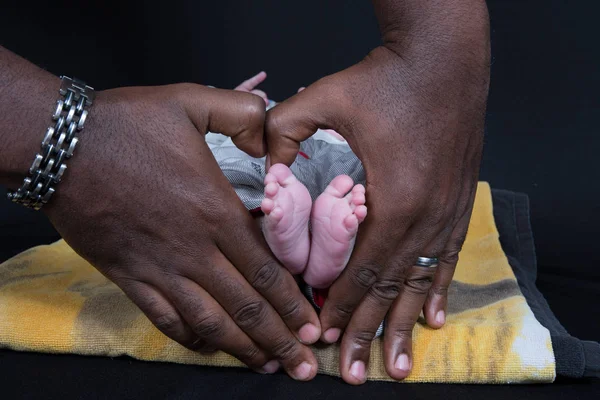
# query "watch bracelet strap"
(58, 144)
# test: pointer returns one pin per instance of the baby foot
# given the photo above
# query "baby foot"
(286, 205)
(335, 218)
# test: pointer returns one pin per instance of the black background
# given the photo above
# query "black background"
(542, 122)
(542, 131)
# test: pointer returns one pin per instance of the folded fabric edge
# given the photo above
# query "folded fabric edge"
(574, 358)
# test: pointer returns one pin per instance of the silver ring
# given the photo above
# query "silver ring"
(429, 262)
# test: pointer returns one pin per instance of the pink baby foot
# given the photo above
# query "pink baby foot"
(335, 218)
(286, 205)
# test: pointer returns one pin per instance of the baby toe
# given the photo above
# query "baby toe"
(361, 213)
(339, 186)
(276, 214)
(358, 199)
(283, 174)
(271, 189)
(270, 178)
(351, 223)
(267, 206)
(358, 189)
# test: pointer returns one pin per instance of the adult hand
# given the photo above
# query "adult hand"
(146, 203)
(413, 112)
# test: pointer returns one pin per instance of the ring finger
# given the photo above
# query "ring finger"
(253, 314)
(402, 318)
(214, 327)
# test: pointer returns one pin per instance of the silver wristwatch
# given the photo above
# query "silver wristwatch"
(58, 144)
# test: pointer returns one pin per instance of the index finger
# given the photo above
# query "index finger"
(246, 248)
(298, 118)
(369, 259)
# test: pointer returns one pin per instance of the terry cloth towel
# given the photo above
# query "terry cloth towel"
(51, 300)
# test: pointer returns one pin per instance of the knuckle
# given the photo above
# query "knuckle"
(439, 290)
(266, 276)
(401, 263)
(451, 254)
(402, 330)
(275, 124)
(386, 291)
(363, 338)
(249, 354)
(250, 315)
(365, 276)
(207, 350)
(214, 212)
(255, 108)
(167, 323)
(413, 198)
(456, 243)
(450, 257)
(436, 216)
(208, 326)
(419, 285)
(200, 345)
(185, 88)
(252, 110)
(343, 311)
(291, 310)
(285, 349)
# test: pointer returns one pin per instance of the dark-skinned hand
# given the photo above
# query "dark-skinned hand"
(413, 112)
(148, 206)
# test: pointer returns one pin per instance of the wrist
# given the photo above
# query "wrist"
(58, 145)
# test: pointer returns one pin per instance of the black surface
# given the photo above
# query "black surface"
(60, 377)
(542, 139)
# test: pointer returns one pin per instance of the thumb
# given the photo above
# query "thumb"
(296, 119)
(238, 115)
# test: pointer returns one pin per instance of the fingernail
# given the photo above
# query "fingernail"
(332, 335)
(440, 317)
(357, 370)
(309, 333)
(402, 362)
(302, 371)
(271, 367)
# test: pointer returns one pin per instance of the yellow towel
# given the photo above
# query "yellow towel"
(53, 301)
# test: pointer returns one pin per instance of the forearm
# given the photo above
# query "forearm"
(28, 96)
